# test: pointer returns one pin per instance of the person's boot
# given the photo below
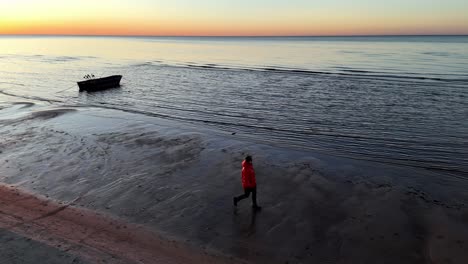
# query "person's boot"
(256, 207)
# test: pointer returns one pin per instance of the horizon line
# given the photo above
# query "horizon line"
(239, 36)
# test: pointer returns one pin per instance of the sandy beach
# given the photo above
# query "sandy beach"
(93, 185)
(62, 233)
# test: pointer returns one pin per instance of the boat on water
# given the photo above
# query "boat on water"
(96, 84)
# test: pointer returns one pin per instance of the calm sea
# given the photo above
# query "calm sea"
(399, 100)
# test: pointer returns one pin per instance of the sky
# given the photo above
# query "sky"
(234, 17)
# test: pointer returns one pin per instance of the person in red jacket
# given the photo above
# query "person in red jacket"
(248, 183)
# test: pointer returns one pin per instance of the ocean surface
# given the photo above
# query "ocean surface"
(396, 100)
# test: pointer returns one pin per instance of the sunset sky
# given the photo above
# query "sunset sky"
(233, 17)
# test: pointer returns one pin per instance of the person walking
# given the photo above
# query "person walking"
(248, 183)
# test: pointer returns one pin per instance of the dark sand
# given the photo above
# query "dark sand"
(177, 180)
(18, 249)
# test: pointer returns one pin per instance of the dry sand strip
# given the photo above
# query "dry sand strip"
(92, 237)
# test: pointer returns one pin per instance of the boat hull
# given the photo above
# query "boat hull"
(100, 84)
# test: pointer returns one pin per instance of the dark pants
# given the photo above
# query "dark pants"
(246, 194)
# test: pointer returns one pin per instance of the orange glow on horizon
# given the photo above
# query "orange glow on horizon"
(165, 29)
(181, 31)
(181, 18)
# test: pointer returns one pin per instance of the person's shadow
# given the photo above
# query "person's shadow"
(250, 230)
(253, 220)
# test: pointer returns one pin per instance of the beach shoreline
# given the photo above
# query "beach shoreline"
(178, 180)
(86, 235)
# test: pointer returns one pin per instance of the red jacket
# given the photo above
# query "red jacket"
(248, 175)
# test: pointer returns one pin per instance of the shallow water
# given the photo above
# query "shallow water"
(398, 100)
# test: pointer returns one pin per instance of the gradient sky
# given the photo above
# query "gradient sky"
(233, 17)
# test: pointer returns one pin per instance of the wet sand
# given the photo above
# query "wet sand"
(19, 249)
(177, 180)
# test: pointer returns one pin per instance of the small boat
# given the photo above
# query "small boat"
(100, 83)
